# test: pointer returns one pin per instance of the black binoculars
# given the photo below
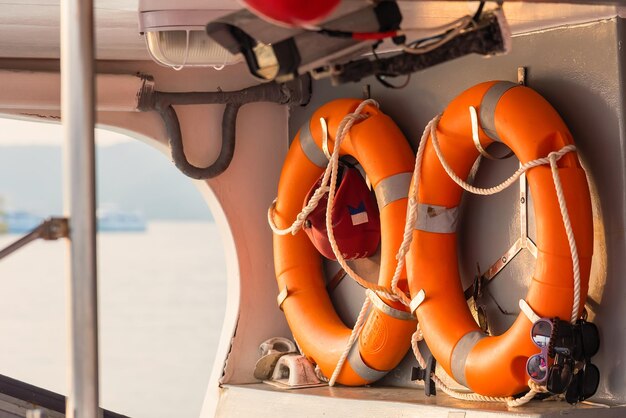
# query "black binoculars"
(570, 346)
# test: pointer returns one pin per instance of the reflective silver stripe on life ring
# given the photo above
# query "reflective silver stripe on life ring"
(310, 148)
(359, 366)
(388, 310)
(460, 353)
(488, 107)
(438, 219)
(392, 188)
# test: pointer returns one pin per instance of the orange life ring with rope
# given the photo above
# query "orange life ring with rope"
(524, 121)
(385, 155)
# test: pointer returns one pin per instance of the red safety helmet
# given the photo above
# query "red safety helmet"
(355, 217)
(292, 12)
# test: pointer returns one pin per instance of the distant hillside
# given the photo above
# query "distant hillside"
(130, 176)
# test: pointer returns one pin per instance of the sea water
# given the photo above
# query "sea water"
(161, 305)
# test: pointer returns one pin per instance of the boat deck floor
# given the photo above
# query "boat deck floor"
(262, 400)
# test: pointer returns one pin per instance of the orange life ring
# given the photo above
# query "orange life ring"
(385, 155)
(524, 121)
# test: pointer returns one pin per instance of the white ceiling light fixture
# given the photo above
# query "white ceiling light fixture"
(177, 38)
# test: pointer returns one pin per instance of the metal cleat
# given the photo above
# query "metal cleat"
(294, 371)
(271, 350)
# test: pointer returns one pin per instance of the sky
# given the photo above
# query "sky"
(131, 175)
(15, 132)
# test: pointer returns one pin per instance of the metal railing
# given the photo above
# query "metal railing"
(77, 109)
(49, 230)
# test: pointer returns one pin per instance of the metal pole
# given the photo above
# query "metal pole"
(77, 109)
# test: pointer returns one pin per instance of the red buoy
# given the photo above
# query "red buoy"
(292, 12)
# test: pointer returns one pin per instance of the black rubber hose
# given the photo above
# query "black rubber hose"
(227, 150)
(296, 92)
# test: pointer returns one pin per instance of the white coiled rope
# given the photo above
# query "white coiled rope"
(551, 159)
(411, 216)
(570, 236)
